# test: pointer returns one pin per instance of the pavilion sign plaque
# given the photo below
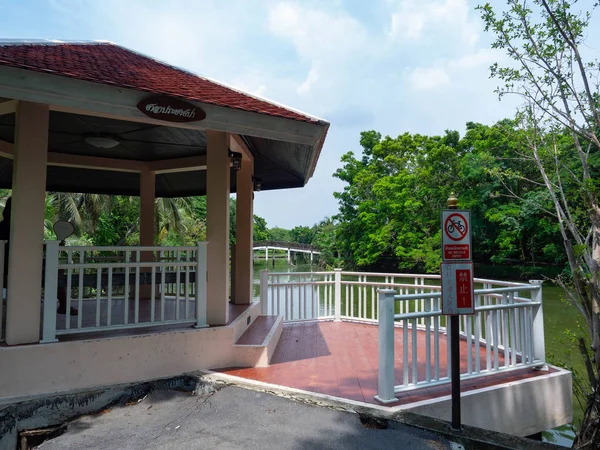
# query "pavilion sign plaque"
(170, 109)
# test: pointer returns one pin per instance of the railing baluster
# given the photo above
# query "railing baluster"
(136, 306)
(305, 301)
(428, 341)
(352, 288)
(469, 332)
(153, 292)
(488, 338)
(436, 346)
(177, 284)
(291, 301)
(163, 281)
(98, 294)
(405, 348)
(126, 290)
(365, 299)
(347, 299)
(372, 303)
(415, 367)
(186, 288)
(276, 294)
(477, 320)
(495, 326)
(69, 289)
(109, 298)
(80, 291)
(528, 328)
(513, 333)
(505, 332)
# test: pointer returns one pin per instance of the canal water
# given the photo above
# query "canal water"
(561, 319)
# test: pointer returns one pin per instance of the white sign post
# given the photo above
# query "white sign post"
(457, 288)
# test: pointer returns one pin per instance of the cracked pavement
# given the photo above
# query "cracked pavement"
(233, 418)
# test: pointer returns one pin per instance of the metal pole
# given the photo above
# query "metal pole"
(455, 353)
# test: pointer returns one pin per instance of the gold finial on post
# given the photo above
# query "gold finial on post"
(452, 201)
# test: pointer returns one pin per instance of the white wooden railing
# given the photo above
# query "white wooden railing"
(506, 332)
(507, 328)
(123, 287)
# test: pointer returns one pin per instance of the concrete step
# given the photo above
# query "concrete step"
(255, 347)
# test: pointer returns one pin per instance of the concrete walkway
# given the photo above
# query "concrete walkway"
(234, 418)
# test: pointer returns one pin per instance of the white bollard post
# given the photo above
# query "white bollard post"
(385, 376)
(264, 292)
(338, 296)
(539, 347)
(50, 293)
(201, 280)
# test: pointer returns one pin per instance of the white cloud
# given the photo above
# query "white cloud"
(316, 33)
(390, 65)
(429, 79)
(311, 78)
(326, 39)
(482, 57)
(413, 19)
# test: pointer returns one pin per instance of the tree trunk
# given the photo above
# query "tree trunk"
(588, 436)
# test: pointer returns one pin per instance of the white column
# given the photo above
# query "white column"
(539, 348)
(243, 234)
(217, 226)
(147, 203)
(27, 224)
(338, 295)
(289, 256)
(385, 375)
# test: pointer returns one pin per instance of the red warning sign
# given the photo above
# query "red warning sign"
(457, 288)
(464, 293)
(456, 235)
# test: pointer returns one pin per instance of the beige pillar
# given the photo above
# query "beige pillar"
(217, 227)
(147, 201)
(243, 234)
(27, 224)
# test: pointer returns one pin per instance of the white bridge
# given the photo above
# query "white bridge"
(290, 247)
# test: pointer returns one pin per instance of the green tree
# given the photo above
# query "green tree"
(260, 232)
(280, 234)
(302, 234)
(390, 205)
(559, 86)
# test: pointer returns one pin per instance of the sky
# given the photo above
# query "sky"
(395, 66)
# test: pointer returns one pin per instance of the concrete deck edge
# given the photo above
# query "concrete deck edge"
(470, 437)
(44, 411)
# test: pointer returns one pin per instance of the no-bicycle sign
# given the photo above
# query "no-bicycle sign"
(456, 235)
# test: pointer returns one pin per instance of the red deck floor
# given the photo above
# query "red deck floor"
(340, 359)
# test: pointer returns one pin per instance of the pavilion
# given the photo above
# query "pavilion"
(95, 117)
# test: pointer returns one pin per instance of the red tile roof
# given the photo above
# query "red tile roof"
(110, 64)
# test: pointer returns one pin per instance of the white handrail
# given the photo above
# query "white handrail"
(180, 301)
(513, 336)
(505, 333)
